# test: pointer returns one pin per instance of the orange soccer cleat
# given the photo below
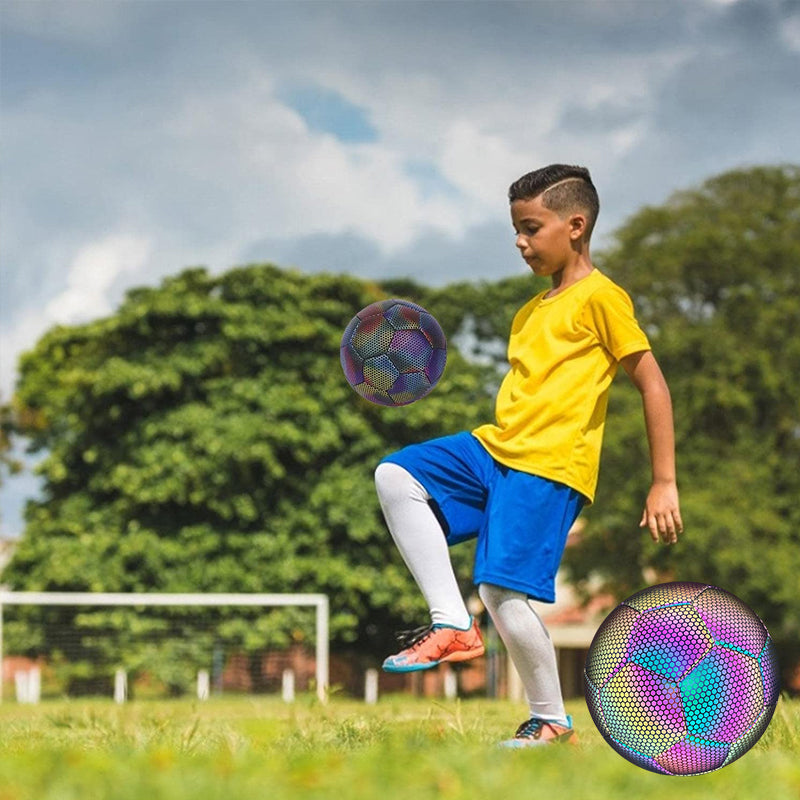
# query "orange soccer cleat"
(427, 647)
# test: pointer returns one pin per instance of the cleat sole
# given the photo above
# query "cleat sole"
(459, 655)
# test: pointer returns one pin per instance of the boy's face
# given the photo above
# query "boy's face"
(546, 241)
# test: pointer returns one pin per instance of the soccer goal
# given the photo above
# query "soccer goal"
(86, 634)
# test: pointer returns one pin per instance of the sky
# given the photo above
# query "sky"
(373, 138)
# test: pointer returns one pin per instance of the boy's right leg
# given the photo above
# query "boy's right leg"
(532, 652)
(421, 542)
(452, 635)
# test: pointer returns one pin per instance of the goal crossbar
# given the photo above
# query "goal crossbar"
(320, 601)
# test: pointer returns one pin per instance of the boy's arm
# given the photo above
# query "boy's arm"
(661, 512)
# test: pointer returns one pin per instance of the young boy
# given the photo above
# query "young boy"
(518, 485)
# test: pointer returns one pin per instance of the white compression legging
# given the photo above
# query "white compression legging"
(530, 648)
(420, 540)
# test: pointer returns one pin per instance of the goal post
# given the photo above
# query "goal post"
(102, 599)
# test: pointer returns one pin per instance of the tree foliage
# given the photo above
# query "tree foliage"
(8, 464)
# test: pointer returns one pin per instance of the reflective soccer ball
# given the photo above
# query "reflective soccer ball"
(682, 678)
(393, 352)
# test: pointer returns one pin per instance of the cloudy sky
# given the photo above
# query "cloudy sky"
(374, 138)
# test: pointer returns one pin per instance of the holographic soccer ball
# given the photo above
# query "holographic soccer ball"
(681, 678)
(393, 352)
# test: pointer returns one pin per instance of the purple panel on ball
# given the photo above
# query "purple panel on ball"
(669, 641)
(348, 331)
(432, 330)
(748, 739)
(436, 364)
(693, 756)
(410, 351)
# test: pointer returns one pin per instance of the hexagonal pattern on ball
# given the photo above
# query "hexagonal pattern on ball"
(723, 695)
(643, 710)
(614, 635)
(665, 594)
(730, 621)
(393, 352)
(669, 640)
(681, 678)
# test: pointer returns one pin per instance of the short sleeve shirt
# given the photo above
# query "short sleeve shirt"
(551, 406)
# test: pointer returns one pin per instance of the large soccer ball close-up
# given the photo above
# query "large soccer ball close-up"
(393, 352)
(682, 678)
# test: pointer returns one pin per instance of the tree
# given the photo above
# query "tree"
(714, 277)
(8, 464)
(203, 438)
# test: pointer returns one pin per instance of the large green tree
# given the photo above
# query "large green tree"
(203, 439)
(715, 277)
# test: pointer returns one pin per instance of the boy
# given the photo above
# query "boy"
(519, 484)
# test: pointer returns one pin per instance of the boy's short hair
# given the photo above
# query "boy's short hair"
(564, 189)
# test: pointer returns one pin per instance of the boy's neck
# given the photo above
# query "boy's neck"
(571, 274)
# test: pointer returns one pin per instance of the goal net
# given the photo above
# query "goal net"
(158, 645)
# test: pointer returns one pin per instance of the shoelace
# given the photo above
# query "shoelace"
(414, 636)
(531, 729)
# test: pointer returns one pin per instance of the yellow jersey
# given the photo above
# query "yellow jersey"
(551, 406)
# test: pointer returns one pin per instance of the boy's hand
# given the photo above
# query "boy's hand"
(662, 513)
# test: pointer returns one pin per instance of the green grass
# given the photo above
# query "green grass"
(399, 749)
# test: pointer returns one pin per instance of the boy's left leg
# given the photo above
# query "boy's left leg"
(517, 557)
(531, 649)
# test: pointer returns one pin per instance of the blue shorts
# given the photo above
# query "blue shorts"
(521, 520)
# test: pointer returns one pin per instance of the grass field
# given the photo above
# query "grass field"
(400, 748)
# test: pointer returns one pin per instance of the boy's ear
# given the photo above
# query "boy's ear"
(577, 226)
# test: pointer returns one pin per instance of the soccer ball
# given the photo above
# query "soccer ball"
(681, 678)
(393, 352)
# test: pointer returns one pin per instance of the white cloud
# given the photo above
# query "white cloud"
(280, 178)
(91, 276)
(94, 269)
(480, 163)
(790, 32)
(626, 138)
(20, 335)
